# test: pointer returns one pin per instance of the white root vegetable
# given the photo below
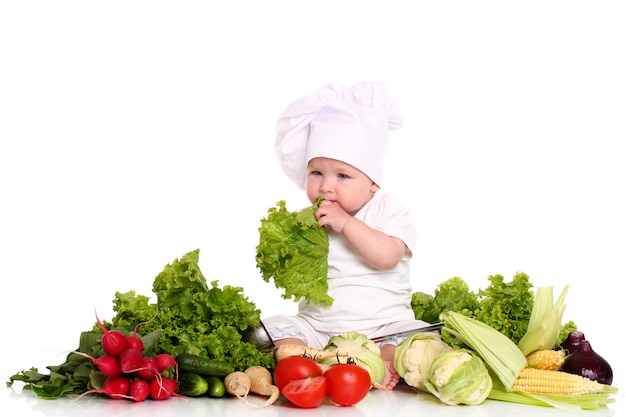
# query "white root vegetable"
(293, 349)
(261, 384)
(255, 379)
(237, 384)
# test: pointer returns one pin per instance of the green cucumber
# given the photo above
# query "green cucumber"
(203, 366)
(192, 385)
(216, 389)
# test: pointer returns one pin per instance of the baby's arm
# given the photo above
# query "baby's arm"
(379, 250)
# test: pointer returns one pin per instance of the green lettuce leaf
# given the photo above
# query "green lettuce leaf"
(194, 317)
(506, 306)
(293, 251)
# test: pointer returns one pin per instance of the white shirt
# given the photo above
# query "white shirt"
(365, 297)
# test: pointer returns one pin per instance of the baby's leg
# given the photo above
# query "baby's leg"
(391, 378)
(291, 340)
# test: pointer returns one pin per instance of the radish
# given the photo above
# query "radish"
(108, 365)
(114, 342)
(148, 369)
(134, 341)
(164, 361)
(130, 360)
(163, 388)
(116, 387)
(139, 390)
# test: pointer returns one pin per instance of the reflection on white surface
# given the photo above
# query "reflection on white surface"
(402, 402)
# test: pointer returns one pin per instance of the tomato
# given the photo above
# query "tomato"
(307, 392)
(347, 384)
(295, 367)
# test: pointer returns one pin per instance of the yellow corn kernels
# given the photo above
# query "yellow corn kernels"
(546, 359)
(542, 381)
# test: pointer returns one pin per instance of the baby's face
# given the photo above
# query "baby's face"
(339, 182)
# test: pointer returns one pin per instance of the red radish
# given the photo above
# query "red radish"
(139, 390)
(116, 387)
(164, 361)
(114, 342)
(148, 369)
(130, 361)
(108, 365)
(163, 388)
(135, 341)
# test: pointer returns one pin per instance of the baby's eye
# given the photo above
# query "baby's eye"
(342, 176)
(315, 173)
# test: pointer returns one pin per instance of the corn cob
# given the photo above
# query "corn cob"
(542, 381)
(546, 359)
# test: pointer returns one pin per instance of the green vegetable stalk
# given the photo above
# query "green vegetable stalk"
(293, 250)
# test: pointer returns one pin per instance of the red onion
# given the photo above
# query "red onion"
(585, 362)
(571, 343)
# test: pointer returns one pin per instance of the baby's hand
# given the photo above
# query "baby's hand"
(331, 214)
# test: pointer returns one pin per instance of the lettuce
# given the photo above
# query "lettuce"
(188, 317)
(293, 250)
(452, 294)
(194, 317)
(506, 306)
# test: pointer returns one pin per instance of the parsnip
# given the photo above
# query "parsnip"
(261, 383)
(255, 379)
(293, 349)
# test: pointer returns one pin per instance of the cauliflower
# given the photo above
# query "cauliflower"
(414, 355)
(459, 376)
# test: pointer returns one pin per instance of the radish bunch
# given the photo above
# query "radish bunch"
(129, 374)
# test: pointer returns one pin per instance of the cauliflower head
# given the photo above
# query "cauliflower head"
(414, 355)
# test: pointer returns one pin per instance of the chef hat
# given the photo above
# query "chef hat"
(348, 124)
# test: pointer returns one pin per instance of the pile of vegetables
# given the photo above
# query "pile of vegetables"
(306, 382)
(505, 306)
(357, 349)
(194, 318)
(188, 319)
(110, 362)
(492, 348)
(293, 251)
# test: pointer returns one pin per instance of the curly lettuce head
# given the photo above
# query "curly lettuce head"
(293, 250)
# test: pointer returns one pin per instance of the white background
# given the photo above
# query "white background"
(132, 132)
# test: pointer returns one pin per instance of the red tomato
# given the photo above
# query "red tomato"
(306, 393)
(295, 367)
(347, 384)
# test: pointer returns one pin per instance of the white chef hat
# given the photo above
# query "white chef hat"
(348, 124)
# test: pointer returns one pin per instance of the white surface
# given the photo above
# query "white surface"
(402, 401)
(124, 127)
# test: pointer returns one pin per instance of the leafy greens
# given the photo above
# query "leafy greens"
(189, 316)
(293, 250)
(193, 317)
(505, 306)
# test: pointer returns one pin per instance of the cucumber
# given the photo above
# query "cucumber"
(192, 385)
(217, 389)
(203, 366)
